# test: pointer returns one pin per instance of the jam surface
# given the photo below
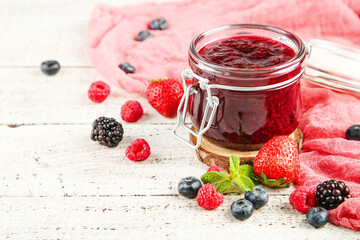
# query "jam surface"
(252, 117)
(246, 52)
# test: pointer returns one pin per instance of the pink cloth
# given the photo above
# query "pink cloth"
(326, 154)
(113, 31)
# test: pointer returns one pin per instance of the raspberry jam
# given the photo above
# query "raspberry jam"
(247, 52)
(261, 73)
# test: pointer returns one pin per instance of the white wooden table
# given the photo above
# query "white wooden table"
(55, 183)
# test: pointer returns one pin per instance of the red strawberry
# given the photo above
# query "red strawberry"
(164, 96)
(278, 159)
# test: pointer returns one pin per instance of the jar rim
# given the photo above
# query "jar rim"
(300, 54)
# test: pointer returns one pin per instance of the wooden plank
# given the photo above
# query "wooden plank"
(61, 160)
(162, 217)
(45, 30)
(28, 96)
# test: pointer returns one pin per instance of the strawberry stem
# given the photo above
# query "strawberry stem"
(159, 79)
(280, 183)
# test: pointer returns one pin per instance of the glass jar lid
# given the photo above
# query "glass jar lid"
(333, 66)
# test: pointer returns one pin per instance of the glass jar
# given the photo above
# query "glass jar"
(243, 108)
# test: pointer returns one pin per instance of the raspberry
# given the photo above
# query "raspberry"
(303, 198)
(216, 169)
(98, 91)
(208, 198)
(139, 150)
(131, 111)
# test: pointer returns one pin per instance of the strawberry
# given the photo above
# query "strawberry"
(277, 163)
(164, 95)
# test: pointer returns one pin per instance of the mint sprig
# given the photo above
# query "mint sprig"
(241, 176)
(221, 180)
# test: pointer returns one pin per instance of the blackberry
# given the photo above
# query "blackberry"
(332, 193)
(107, 131)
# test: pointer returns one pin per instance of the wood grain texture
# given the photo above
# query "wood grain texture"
(158, 217)
(55, 183)
(35, 30)
(61, 160)
(30, 97)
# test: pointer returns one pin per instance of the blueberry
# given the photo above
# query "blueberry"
(189, 187)
(126, 67)
(50, 67)
(259, 197)
(143, 35)
(317, 216)
(242, 209)
(353, 133)
(159, 24)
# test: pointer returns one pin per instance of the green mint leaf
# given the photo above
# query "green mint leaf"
(245, 170)
(221, 180)
(244, 183)
(248, 171)
(212, 176)
(234, 166)
(222, 186)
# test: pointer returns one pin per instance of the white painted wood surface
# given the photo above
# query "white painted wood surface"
(55, 183)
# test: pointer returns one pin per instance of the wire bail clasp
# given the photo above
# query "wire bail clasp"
(212, 102)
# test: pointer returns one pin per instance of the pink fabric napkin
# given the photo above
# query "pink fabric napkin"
(326, 153)
(327, 114)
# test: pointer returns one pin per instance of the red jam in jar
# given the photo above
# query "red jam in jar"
(260, 67)
(246, 52)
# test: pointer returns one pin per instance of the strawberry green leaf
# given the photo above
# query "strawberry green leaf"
(254, 178)
(273, 182)
(221, 180)
(244, 183)
(159, 79)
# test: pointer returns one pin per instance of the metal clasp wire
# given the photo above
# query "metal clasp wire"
(212, 102)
